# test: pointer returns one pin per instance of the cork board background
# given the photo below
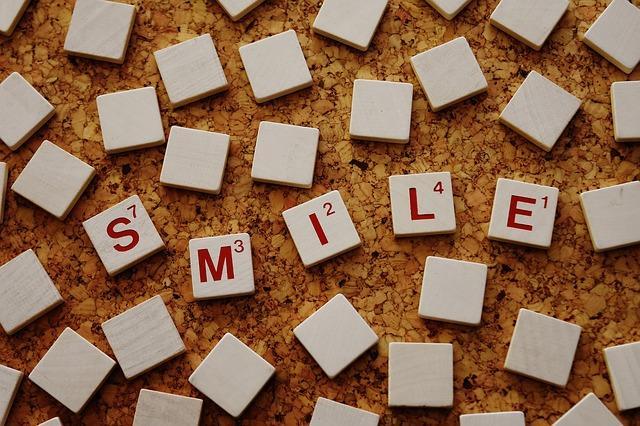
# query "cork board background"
(600, 292)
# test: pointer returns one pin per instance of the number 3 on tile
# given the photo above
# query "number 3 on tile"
(131, 234)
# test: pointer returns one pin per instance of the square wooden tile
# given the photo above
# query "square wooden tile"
(589, 411)
(623, 365)
(506, 418)
(237, 9)
(10, 13)
(625, 106)
(4, 180)
(10, 380)
(448, 8)
(331, 413)
(52, 422)
(165, 409)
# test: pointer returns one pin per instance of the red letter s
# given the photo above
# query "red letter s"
(131, 233)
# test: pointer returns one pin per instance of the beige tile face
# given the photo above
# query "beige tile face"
(52, 422)
(275, 66)
(191, 70)
(623, 364)
(448, 8)
(589, 411)
(352, 22)
(542, 348)
(10, 13)
(53, 179)
(625, 105)
(23, 111)
(143, 337)
(10, 380)
(232, 375)
(72, 370)
(507, 418)
(237, 9)
(100, 29)
(335, 335)
(165, 409)
(540, 111)
(4, 179)
(616, 35)
(26, 292)
(331, 413)
(449, 73)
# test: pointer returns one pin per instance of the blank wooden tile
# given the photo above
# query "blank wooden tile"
(165, 409)
(613, 215)
(523, 213)
(422, 204)
(331, 413)
(23, 111)
(10, 13)
(335, 335)
(625, 106)
(449, 73)
(453, 291)
(100, 29)
(420, 374)
(123, 235)
(72, 370)
(275, 66)
(381, 111)
(616, 35)
(4, 179)
(542, 348)
(448, 8)
(321, 228)
(623, 365)
(285, 154)
(191, 70)
(352, 22)
(130, 120)
(237, 9)
(26, 292)
(232, 375)
(506, 418)
(540, 111)
(589, 411)
(221, 266)
(53, 179)
(531, 22)
(10, 380)
(195, 160)
(143, 337)
(52, 422)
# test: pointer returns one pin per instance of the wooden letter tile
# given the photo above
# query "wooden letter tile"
(542, 348)
(143, 337)
(165, 409)
(123, 235)
(10, 380)
(321, 228)
(507, 418)
(625, 105)
(623, 364)
(10, 13)
(589, 411)
(232, 375)
(4, 179)
(72, 370)
(236, 9)
(523, 213)
(448, 8)
(335, 335)
(331, 413)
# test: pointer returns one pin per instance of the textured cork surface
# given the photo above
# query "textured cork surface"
(599, 292)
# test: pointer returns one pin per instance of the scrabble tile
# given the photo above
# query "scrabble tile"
(616, 35)
(381, 111)
(523, 213)
(26, 292)
(589, 411)
(52, 422)
(195, 160)
(420, 374)
(540, 110)
(191, 70)
(143, 337)
(275, 66)
(449, 73)
(130, 120)
(331, 413)
(352, 22)
(422, 204)
(237, 9)
(232, 375)
(164, 409)
(23, 111)
(613, 215)
(100, 29)
(72, 370)
(448, 8)
(623, 365)
(625, 105)
(453, 291)
(10, 380)
(527, 21)
(221, 266)
(123, 235)
(285, 154)
(321, 228)
(10, 13)
(507, 418)
(335, 335)
(542, 348)
(53, 179)
(4, 179)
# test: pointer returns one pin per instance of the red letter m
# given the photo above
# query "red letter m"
(205, 262)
